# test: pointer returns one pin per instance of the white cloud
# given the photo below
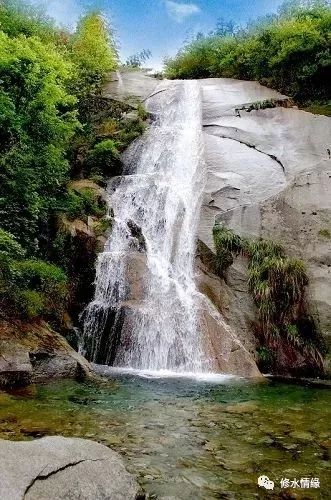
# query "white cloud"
(180, 11)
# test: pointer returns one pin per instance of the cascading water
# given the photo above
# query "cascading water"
(156, 210)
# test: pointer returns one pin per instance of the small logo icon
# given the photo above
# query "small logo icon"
(264, 482)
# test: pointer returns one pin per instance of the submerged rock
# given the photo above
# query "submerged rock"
(58, 468)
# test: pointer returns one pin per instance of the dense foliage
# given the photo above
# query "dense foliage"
(93, 50)
(289, 51)
(277, 284)
(50, 82)
(37, 122)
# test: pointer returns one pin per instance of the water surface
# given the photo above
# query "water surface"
(188, 439)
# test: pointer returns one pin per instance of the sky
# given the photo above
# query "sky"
(159, 25)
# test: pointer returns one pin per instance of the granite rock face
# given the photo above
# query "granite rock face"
(253, 155)
(268, 170)
(130, 86)
(269, 175)
(58, 468)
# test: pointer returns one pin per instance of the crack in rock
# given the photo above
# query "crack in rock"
(154, 93)
(245, 143)
(41, 477)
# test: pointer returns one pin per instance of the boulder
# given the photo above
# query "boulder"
(31, 352)
(56, 468)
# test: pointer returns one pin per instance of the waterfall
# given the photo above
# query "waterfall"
(145, 311)
(119, 79)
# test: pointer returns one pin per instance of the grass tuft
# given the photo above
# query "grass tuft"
(278, 285)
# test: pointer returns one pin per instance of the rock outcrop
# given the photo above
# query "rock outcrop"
(31, 352)
(222, 347)
(130, 87)
(58, 468)
(268, 174)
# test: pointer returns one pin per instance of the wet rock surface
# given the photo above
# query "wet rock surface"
(129, 86)
(56, 468)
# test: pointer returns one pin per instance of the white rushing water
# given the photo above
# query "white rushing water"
(145, 276)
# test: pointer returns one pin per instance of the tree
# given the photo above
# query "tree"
(137, 60)
(225, 28)
(36, 126)
(21, 18)
(289, 51)
(93, 49)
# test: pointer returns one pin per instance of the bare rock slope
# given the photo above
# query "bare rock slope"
(269, 175)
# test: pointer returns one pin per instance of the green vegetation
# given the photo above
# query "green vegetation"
(325, 233)
(289, 51)
(137, 60)
(227, 243)
(20, 18)
(277, 284)
(37, 123)
(32, 287)
(104, 159)
(77, 205)
(318, 109)
(267, 103)
(55, 126)
(265, 358)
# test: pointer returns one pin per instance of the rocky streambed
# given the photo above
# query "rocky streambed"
(184, 438)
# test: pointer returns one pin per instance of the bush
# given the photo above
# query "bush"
(43, 286)
(9, 249)
(9, 246)
(265, 359)
(277, 284)
(30, 303)
(226, 244)
(39, 275)
(289, 51)
(81, 204)
(104, 159)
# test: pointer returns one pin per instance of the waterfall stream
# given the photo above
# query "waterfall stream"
(145, 311)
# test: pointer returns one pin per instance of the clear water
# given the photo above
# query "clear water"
(161, 199)
(187, 438)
